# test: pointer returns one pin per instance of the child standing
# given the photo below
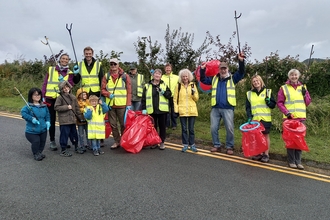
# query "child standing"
(83, 102)
(67, 108)
(95, 118)
(37, 120)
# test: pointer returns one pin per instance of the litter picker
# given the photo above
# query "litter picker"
(47, 43)
(239, 44)
(27, 104)
(74, 51)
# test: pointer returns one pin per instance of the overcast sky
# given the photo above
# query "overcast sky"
(287, 26)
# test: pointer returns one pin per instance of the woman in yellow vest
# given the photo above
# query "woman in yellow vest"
(259, 102)
(292, 100)
(155, 103)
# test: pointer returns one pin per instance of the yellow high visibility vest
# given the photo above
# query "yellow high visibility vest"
(118, 88)
(52, 83)
(96, 126)
(90, 81)
(259, 109)
(294, 101)
(140, 79)
(171, 81)
(163, 102)
(231, 92)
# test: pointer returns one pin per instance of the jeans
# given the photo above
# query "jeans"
(136, 105)
(228, 118)
(95, 144)
(188, 133)
(82, 132)
(171, 117)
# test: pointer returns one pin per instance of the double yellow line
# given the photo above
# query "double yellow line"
(233, 158)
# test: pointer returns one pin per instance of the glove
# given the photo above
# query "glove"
(111, 96)
(35, 121)
(249, 120)
(88, 114)
(47, 125)
(152, 72)
(161, 91)
(303, 91)
(144, 112)
(289, 116)
(267, 100)
(76, 69)
(128, 107)
(193, 91)
(60, 78)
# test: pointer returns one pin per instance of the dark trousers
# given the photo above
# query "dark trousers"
(52, 113)
(171, 117)
(68, 131)
(37, 141)
(187, 129)
(160, 122)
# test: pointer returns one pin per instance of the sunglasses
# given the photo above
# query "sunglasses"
(113, 64)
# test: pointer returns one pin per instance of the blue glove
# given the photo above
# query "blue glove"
(60, 78)
(161, 91)
(112, 96)
(35, 121)
(76, 69)
(249, 120)
(152, 72)
(128, 107)
(88, 114)
(144, 112)
(47, 125)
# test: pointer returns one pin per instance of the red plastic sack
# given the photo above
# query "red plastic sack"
(134, 136)
(293, 135)
(212, 68)
(203, 87)
(152, 135)
(253, 140)
(108, 128)
(130, 117)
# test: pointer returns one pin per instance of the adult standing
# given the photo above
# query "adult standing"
(292, 100)
(171, 80)
(137, 83)
(184, 99)
(155, 97)
(55, 75)
(259, 102)
(116, 88)
(223, 101)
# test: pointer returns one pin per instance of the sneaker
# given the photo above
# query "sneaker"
(293, 165)
(38, 157)
(161, 146)
(154, 146)
(193, 148)
(96, 152)
(215, 149)
(257, 157)
(88, 147)
(300, 166)
(185, 148)
(114, 146)
(42, 155)
(101, 152)
(265, 158)
(65, 153)
(52, 146)
(80, 150)
(229, 151)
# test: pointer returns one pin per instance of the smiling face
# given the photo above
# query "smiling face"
(88, 55)
(93, 102)
(223, 72)
(256, 83)
(64, 60)
(184, 78)
(66, 89)
(113, 66)
(36, 97)
(157, 75)
(294, 77)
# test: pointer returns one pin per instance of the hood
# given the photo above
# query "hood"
(63, 83)
(81, 90)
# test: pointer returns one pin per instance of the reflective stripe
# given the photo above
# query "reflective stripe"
(90, 81)
(140, 80)
(231, 91)
(119, 91)
(294, 101)
(259, 109)
(53, 82)
(96, 126)
(163, 102)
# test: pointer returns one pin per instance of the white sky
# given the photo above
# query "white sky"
(287, 26)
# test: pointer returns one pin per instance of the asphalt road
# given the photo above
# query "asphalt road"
(153, 184)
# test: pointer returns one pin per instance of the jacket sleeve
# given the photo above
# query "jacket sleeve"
(58, 106)
(143, 99)
(203, 78)
(248, 108)
(105, 108)
(104, 90)
(26, 114)
(175, 99)
(195, 97)
(239, 74)
(280, 102)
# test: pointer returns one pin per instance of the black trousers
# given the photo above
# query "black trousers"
(37, 141)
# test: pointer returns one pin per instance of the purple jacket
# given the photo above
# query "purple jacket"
(281, 99)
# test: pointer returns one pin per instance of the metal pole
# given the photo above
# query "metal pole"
(47, 43)
(239, 44)
(74, 51)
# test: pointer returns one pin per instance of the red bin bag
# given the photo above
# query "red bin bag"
(293, 135)
(253, 140)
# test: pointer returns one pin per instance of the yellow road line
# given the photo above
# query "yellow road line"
(233, 158)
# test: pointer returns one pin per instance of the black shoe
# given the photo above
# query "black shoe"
(265, 158)
(42, 155)
(38, 157)
(257, 157)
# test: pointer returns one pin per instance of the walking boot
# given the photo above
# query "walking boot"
(52, 146)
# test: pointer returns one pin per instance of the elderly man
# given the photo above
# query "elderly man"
(116, 88)
(223, 101)
(137, 83)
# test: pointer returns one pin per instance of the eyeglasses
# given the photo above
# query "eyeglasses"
(36, 94)
(113, 64)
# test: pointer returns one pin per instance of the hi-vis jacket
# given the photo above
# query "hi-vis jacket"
(231, 92)
(96, 125)
(90, 80)
(163, 102)
(118, 88)
(171, 81)
(53, 82)
(259, 108)
(294, 101)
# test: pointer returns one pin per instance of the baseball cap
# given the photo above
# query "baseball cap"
(114, 60)
(223, 65)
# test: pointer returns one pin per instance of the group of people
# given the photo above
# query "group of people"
(165, 97)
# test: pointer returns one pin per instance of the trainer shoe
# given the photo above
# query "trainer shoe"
(257, 157)
(265, 158)
(185, 148)
(52, 146)
(101, 151)
(300, 166)
(161, 146)
(42, 155)
(37, 157)
(96, 152)
(114, 146)
(293, 165)
(65, 153)
(193, 148)
(230, 151)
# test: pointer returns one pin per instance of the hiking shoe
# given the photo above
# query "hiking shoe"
(161, 146)
(265, 158)
(193, 148)
(38, 157)
(215, 149)
(114, 146)
(154, 146)
(80, 150)
(65, 153)
(293, 165)
(96, 152)
(229, 151)
(52, 146)
(42, 155)
(101, 151)
(185, 148)
(300, 166)
(257, 157)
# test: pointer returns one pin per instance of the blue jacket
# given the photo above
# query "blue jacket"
(42, 114)
(222, 85)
